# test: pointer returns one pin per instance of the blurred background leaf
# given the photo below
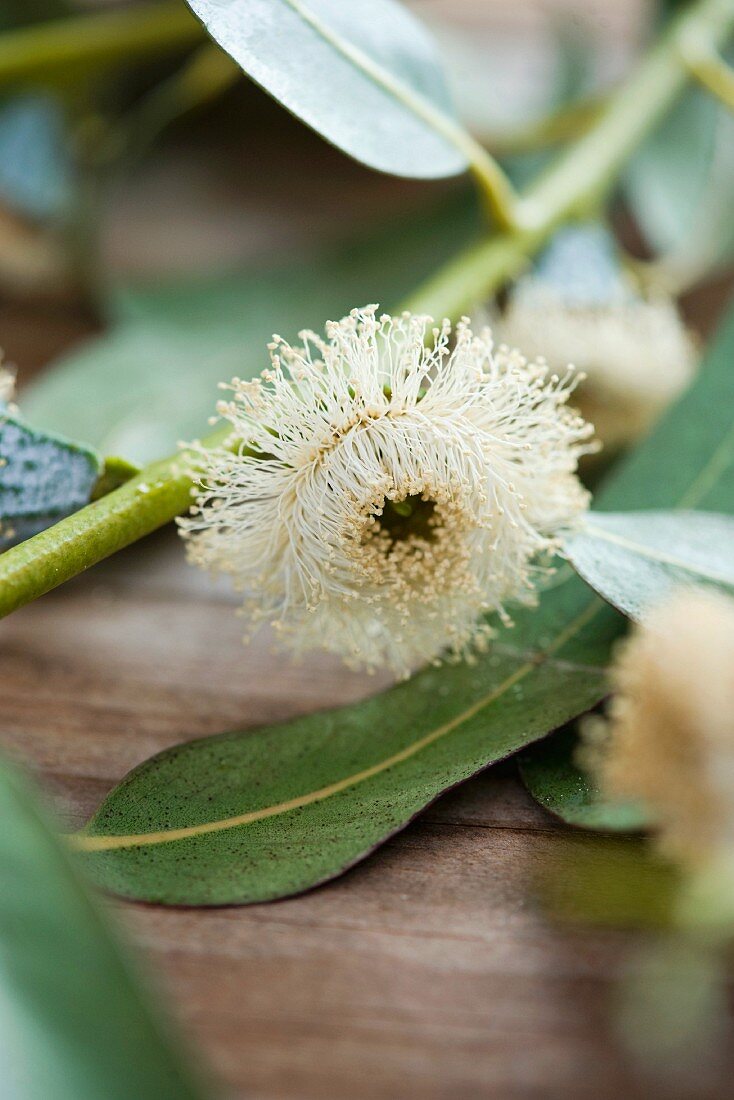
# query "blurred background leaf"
(76, 1024)
(679, 187)
(152, 379)
(613, 882)
(35, 160)
(17, 13)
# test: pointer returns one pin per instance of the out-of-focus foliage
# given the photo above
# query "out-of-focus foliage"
(76, 1024)
(36, 174)
(152, 380)
(679, 185)
(18, 13)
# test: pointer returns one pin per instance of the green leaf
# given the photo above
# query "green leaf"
(270, 812)
(678, 184)
(274, 811)
(42, 478)
(76, 1024)
(550, 774)
(634, 560)
(152, 380)
(365, 75)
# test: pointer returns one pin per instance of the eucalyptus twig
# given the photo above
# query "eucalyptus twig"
(144, 503)
(207, 73)
(42, 52)
(498, 195)
(563, 124)
(712, 72)
(575, 183)
(584, 173)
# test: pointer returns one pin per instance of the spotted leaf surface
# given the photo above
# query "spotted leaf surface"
(42, 478)
(551, 774)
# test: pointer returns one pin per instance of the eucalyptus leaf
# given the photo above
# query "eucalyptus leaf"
(550, 773)
(152, 380)
(42, 478)
(36, 174)
(270, 812)
(259, 815)
(76, 1024)
(678, 184)
(366, 75)
(635, 559)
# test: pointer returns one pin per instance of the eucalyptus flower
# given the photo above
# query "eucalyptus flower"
(388, 488)
(669, 741)
(578, 306)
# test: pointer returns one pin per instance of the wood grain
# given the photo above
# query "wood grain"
(426, 971)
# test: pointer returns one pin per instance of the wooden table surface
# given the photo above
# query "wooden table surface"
(426, 971)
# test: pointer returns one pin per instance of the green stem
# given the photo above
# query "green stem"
(496, 190)
(712, 73)
(151, 498)
(582, 175)
(40, 52)
(563, 124)
(575, 183)
(205, 74)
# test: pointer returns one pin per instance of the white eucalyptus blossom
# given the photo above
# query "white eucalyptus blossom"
(669, 736)
(388, 488)
(580, 307)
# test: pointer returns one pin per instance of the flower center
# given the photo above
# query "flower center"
(412, 517)
(410, 550)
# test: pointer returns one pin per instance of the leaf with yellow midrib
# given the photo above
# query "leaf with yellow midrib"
(261, 814)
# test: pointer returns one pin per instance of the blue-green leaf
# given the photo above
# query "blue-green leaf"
(42, 478)
(36, 176)
(679, 184)
(364, 74)
(635, 559)
(152, 380)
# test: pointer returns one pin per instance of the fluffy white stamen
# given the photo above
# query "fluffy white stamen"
(387, 493)
(669, 736)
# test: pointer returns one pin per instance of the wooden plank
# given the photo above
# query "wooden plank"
(424, 971)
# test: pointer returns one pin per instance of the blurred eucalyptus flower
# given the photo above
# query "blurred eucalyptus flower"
(578, 306)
